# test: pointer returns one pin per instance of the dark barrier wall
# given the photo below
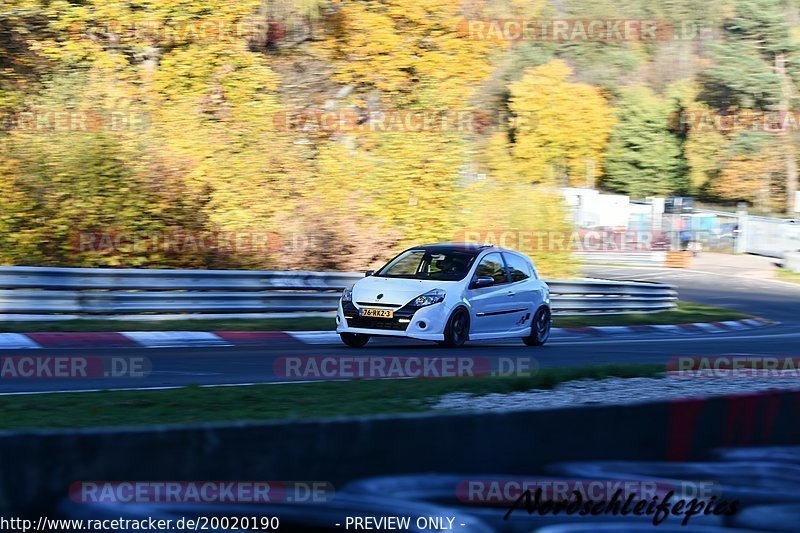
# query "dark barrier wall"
(36, 468)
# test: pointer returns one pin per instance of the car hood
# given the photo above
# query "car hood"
(395, 291)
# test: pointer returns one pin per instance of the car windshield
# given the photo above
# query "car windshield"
(429, 264)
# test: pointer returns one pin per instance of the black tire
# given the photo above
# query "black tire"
(354, 340)
(456, 332)
(540, 328)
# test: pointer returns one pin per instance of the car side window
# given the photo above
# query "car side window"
(492, 266)
(518, 268)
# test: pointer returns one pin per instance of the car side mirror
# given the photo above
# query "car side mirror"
(368, 273)
(482, 281)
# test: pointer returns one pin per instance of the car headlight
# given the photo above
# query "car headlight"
(347, 295)
(429, 298)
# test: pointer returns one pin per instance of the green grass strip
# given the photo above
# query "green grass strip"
(194, 404)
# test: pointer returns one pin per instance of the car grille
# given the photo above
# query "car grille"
(376, 304)
(377, 323)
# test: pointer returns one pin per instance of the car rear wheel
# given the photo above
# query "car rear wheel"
(456, 333)
(540, 328)
(354, 340)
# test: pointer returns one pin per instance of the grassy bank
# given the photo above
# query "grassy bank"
(274, 402)
(685, 313)
(784, 274)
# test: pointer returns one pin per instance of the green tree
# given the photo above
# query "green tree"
(756, 67)
(644, 157)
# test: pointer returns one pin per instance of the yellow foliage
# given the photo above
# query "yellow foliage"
(510, 215)
(411, 51)
(212, 156)
(393, 188)
(558, 127)
(751, 177)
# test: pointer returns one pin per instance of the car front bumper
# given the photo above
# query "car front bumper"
(406, 323)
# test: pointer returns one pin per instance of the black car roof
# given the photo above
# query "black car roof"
(453, 247)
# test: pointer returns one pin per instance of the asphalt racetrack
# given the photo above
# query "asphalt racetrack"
(777, 301)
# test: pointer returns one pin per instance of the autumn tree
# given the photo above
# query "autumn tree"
(212, 153)
(210, 149)
(752, 173)
(558, 129)
(517, 212)
(411, 52)
(756, 67)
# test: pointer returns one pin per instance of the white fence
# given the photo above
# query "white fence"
(772, 237)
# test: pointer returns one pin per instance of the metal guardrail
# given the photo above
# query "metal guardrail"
(610, 297)
(99, 291)
(170, 280)
(645, 259)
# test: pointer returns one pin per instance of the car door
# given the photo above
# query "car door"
(526, 291)
(491, 304)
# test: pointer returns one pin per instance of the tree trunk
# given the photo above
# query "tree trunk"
(763, 194)
(791, 177)
(785, 109)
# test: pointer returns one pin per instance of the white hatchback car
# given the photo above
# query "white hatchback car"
(448, 293)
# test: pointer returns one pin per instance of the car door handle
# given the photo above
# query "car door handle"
(510, 293)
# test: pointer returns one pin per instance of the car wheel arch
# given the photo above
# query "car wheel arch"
(461, 305)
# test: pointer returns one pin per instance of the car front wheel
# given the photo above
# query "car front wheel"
(540, 329)
(354, 340)
(456, 332)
